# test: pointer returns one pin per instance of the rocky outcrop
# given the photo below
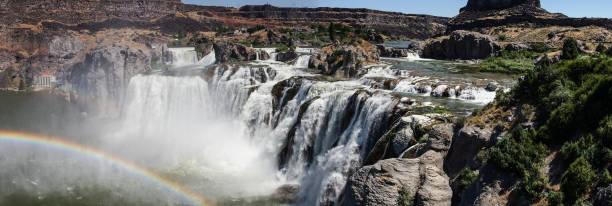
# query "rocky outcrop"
(101, 78)
(516, 47)
(480, 5)
(462, 45)
(399, 182)
(65, 47)
(407, 25)
(286, 56)
(226, 51)
(391, 52)
(466, 144)
(344, 60)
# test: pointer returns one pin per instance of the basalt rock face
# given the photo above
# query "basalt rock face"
(491, 13)
(226, 51)
(343, 60)
(102, 77)
(462, 45)
(480, 5)
(411, 26)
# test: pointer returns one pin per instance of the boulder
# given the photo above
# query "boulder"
(226, 51)
(392, 181)
(516, 47)
(465, 146)
(440, 138)
(391, 52)
(344, 60)
(462, 45)
(287, 56)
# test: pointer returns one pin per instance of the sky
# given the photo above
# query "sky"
(448, 8)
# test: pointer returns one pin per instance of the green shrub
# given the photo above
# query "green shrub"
(555, 198)
(570, 49)
(601, 48)
(502, 37)
(465, 178)
(406, 197)
(539, 47)
(518, 153)
(609, 51)
(577, 179)
(572, 150)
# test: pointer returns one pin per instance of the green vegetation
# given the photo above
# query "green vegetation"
(514, 62)
(465, 178)
(256, 29)
(572, 103)
(609, 52)
(539, 47)
(555, 198)
(406, 197)
(520, 153)
(601, 48)
(577, 179)
(570, 49)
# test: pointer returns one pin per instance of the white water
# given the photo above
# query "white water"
(183, 56)
(302, 61)
(209, 59)
(179, 121)
(271, 51)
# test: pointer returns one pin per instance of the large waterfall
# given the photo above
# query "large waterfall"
(249, 129)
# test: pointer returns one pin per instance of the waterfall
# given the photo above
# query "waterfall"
(178, 120)
(302, 61)
(413, 56)
(209, 59)
(251, 128)
(183, 56)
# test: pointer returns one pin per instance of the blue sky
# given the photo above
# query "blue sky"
(573, 8)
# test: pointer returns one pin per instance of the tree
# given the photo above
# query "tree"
(332, 35)
(577, 179)
(570, 49)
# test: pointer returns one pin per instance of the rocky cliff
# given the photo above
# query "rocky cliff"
(406, 25)
(491, 13)
(481, 5)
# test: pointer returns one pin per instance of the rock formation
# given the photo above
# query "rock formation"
(344, 60)
(391, 52)
(462, 45)
(480, 5)
(226, 51)
(102, 77)
(397, 182)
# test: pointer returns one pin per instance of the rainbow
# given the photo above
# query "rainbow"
(99, 155)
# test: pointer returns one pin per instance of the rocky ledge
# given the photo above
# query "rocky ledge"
(345, 60)
(462, 45)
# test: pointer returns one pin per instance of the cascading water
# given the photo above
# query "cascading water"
(302, 61)
(209, 59)
(183, 56)
(251, 128)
